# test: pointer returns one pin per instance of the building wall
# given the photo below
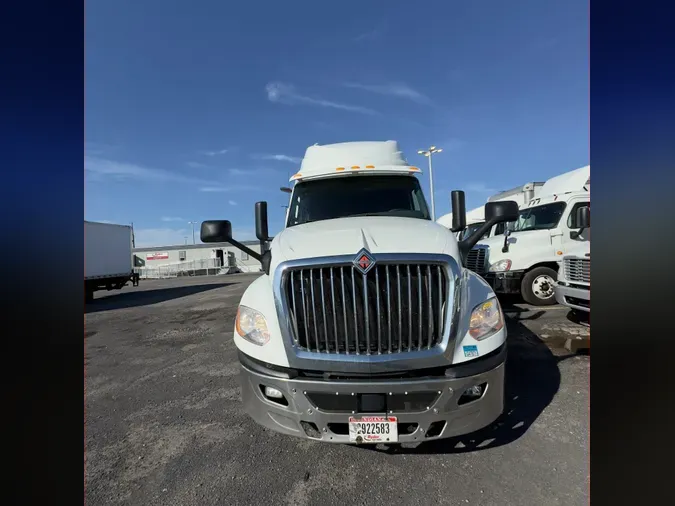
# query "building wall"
(171, 255)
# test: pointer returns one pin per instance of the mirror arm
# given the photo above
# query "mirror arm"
(574, 234)
(468, 243)
(505, 248)
(245, 249)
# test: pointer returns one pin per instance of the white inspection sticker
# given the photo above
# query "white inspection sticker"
(373, 429)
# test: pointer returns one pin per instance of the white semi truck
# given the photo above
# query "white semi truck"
(108, 257)
(475, 218)
(525, 259)
(573, 286)
(365, 327)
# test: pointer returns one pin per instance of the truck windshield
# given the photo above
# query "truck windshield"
(470, 229)
(539, 217)
(341, 197)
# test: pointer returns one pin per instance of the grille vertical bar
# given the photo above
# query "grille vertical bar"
(351, 319)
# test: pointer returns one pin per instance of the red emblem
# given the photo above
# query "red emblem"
(364, 261)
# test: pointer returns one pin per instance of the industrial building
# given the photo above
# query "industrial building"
(195, 259)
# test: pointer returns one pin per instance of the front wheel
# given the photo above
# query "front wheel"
(537, 286)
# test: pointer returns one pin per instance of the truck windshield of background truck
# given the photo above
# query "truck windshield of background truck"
(341, 197)
(539, 217)
(470, 229)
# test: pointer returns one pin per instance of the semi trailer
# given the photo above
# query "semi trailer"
(365, 326)
(108, 257)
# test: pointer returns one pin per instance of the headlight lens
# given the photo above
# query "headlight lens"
(486, 319)
(501, 266)
(251, 325)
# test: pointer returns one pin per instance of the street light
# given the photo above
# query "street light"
(432, 150)
(193, 223)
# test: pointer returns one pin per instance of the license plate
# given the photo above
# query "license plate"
(373, 429)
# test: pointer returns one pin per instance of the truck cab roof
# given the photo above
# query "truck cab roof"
(352, 158)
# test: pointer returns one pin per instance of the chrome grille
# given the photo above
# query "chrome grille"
(577, 270)
(475, 260)
(394, 308)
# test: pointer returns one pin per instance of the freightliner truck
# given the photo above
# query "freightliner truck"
(573, 286)
(365, 326)
(525, 258)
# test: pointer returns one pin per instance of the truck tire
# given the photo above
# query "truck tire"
(537, 286)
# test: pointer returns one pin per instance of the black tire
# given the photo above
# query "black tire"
(536, 289)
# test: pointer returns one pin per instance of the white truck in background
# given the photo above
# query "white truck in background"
(573, 286)
(108, 257)
(365, 326)
(475, 218)
(525, 259)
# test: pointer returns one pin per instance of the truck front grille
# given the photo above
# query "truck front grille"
(577, 270)
(475, 260)
(394, 308)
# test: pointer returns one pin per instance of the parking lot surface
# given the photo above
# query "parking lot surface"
(164, 425)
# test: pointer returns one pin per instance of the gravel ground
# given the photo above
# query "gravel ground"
(163, 422)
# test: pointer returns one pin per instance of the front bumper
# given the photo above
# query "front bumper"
(426, 406)
(576, 298)
(505, 282)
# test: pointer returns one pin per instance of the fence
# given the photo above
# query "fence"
(204, 267)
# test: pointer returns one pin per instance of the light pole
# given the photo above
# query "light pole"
(428, 153)
(193, 223)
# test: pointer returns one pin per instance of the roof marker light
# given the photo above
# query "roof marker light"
(340, 169)
(370, 166)
(354, 167)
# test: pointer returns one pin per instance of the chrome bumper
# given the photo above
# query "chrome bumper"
(570, 296)
(306, 417)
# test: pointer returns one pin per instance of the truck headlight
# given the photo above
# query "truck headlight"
(251, 325)
(501, 266)
(486, 319)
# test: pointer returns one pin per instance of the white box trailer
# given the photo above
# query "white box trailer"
(108, 257)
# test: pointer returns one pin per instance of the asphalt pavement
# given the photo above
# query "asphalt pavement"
(164, 425)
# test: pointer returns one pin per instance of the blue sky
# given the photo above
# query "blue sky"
(195, 110)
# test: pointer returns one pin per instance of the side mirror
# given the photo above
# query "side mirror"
(216, 231)
(584, 217)
(583, 221)
(221, 231)
(495, 212)
(458, 211)
(498, 212)
(286, 190)
(261, 230)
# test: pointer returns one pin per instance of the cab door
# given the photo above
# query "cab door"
(569, 224)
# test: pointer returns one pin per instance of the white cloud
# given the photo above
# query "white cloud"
(214, 153)
(226, 189)
(146, 237)
(232, 202)
(399, 90)
(372, 34)
(172, 218)
(99, 169)
(286, 94)
(197, 165)
(479, 188)
(278, 158)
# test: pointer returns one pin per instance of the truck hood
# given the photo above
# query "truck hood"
(378, 234)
